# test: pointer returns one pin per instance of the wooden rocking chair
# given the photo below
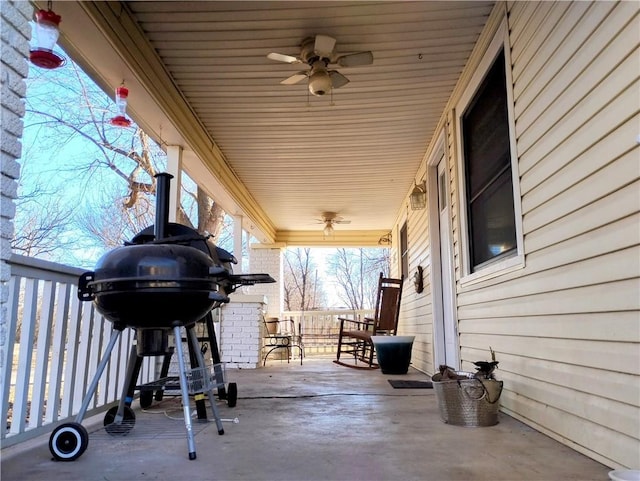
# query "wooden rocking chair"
(355, 335)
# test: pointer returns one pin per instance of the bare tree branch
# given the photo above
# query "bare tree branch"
(115, 167)
(301, 283)
(356, 272)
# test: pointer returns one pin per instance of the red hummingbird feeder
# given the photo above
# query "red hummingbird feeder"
(122, 93)
(46, 33)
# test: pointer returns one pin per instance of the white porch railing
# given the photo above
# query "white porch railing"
(320, 328)
(54, 343)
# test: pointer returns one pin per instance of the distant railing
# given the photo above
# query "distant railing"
(320, 328)
(53, 344)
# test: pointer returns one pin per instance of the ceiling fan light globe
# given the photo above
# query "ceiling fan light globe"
(320, 82)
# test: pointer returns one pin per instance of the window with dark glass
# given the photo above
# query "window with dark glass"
(404, 251)
(487, 162)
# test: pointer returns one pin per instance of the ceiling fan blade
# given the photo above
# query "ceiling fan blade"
(342, 222)
(295, 78)
(337, 79)
(280, 57)
(355, 59)
(324, 46)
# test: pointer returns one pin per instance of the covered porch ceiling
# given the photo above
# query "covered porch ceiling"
(199, 77)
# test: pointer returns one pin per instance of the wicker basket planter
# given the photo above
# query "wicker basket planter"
(468, 402)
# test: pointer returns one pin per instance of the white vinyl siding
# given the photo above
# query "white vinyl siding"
(415, 309)
(566, 326)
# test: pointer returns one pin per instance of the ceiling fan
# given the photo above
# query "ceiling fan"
(329, 219)
(319, 53)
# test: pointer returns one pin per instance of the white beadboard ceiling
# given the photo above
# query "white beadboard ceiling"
(291, 154)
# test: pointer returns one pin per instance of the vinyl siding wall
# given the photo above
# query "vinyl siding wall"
(415, 309)
(566, 327)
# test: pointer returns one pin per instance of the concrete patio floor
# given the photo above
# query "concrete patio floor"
(319, 421)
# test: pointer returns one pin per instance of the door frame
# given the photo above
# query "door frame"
(438, 290)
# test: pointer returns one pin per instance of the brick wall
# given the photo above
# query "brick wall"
(268, 260)
(240, 331)
(15, 33)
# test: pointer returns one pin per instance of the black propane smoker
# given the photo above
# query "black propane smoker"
(168, 277)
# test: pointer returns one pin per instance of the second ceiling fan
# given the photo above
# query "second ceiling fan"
(329, 219)
(319, 53)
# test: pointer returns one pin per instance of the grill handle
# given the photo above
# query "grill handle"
(85, 293)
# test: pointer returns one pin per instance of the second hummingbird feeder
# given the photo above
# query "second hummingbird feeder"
(120, 120)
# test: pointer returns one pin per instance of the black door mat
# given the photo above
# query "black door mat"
(403, 384)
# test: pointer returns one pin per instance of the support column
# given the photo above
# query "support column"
(237, 240)
(174, 167)
(267, 258)
(16, 32)
(241, 321)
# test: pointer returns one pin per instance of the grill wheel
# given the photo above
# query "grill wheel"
(68, 441)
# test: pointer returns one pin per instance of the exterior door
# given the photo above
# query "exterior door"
(446, 333)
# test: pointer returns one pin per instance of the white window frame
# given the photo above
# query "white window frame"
(499, 42)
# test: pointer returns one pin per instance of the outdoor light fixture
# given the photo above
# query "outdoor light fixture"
(419, 197)
(121, 102)
(46, 35)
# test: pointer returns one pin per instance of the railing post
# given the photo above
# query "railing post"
(14, 295)
(57, 352)
(27, 331)
(42, 353)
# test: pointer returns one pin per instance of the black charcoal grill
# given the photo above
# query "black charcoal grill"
(168, 277)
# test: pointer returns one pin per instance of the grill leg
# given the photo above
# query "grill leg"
(215, 356)
(133, 370)
(193, 341)
(96, 378)
(185, 394)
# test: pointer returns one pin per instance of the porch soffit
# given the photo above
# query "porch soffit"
(199, 77)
